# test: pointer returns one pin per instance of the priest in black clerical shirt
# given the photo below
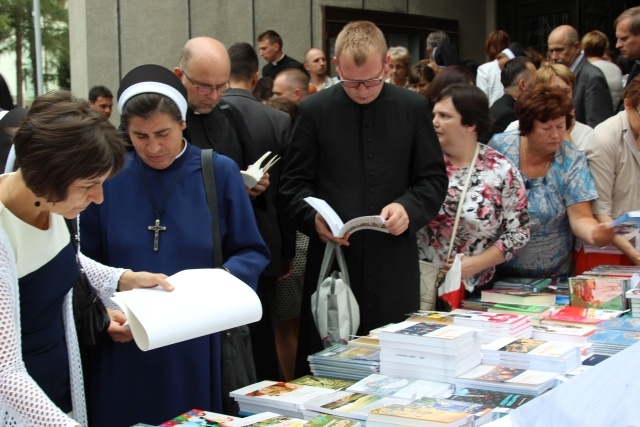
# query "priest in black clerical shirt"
(270, 48)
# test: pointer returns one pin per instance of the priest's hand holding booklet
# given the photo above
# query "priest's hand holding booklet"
(340, 229)
(203, 301)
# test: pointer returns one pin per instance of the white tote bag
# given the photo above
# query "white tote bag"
(333, 305)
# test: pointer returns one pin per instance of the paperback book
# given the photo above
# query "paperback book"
(432, 412)
(580, 315)
(598, 292)
(504, 402)
(326, 420)
(507, 379)
(323, 382)
(621, 323)
(199, 417)
(517, 296)
(528, 353)
(285, 398)
(428, 335)
(402, 388)
(350, 405)
(267, 419)
(576, 334)
(611, 341)
(337, 227)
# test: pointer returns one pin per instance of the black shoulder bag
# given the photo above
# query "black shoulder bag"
(238, 366)
(89, 312)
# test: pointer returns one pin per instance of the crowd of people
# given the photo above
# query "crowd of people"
(540, 153)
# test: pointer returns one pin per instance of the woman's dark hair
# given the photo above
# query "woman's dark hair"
(146, 105)
(61, 141)
(263, 89)
(420, 70)
(448, 76)
(472, 105)
(542, 103)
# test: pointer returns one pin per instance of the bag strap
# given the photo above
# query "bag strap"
(208, 174)
(463, 194)
(331, 252)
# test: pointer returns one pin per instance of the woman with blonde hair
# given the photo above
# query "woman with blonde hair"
(399, 64)
(595, 45)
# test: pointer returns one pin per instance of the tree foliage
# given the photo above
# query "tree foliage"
(18, 35)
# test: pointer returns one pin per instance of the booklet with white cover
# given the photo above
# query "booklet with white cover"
(338, 228)
(204, 301)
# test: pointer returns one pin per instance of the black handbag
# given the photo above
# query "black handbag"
(90, 314)
(237, 364)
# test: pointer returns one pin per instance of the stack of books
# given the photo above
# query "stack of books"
(517, 296)
(576, 334)
(524, 283)
(535, 312)
(283, 398)
(494, 325)
(432, 412)
(434, 352)
(402, 388)
(614, 335)
(633, 299)
(507, 379)
(345, 361)
(525, 353)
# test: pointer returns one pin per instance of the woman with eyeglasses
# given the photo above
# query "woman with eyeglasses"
(615, 165)
(559, 185)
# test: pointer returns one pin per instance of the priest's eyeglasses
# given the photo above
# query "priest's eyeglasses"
(354, 84)
(204, 89)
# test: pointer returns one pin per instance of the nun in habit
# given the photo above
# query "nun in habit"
(155, 215)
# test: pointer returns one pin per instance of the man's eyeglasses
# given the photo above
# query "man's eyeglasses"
(354, 84)
(204, 89)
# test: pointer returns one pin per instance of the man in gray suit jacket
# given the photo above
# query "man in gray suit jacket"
(591, 92)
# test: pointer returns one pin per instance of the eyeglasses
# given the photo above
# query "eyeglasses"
(204, 89)
(354, 84)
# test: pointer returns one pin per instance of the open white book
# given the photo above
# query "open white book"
(204, 301)
(338, 228)
(256, 171)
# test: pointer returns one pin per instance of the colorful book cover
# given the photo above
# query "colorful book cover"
(621, 323)
(323, 382)
(283, 393)
(441, 333)
(531, 349)
(492, 319)
(198, 417)
(612, 336)
(490, 397)
(267, 419)
(479, 411)
(326, 420)
(417, 412)
(581, 315)
(405, 388)
(353, 354)
(598, 292)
